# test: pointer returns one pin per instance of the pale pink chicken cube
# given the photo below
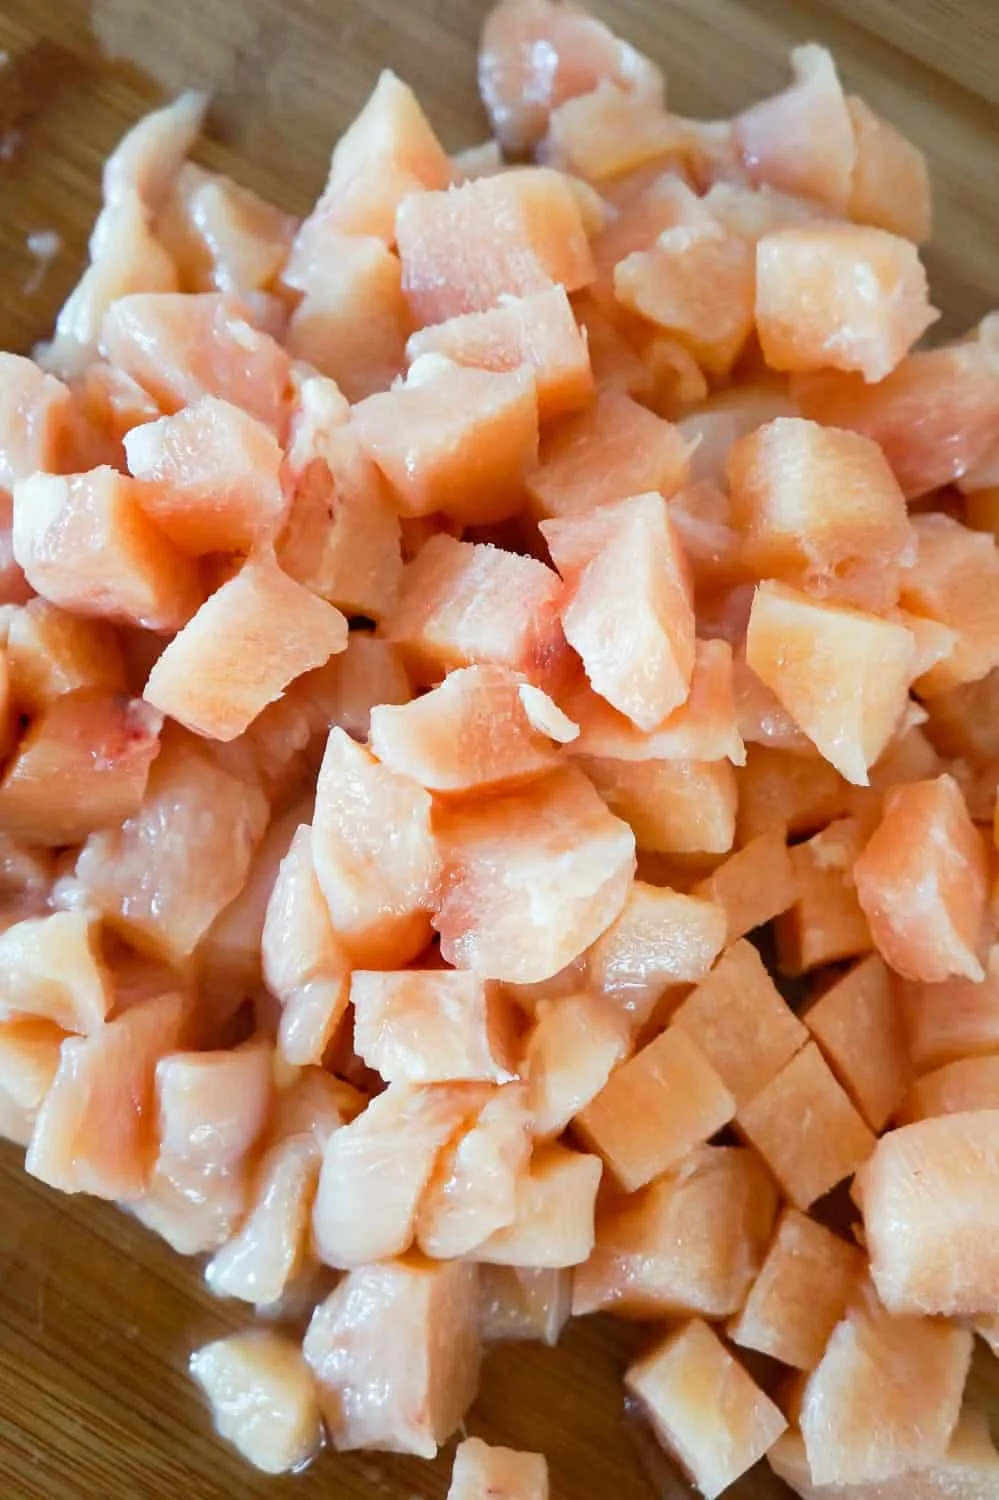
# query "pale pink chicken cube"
(518, 1302)
(212, 477)
(375, 853)
(567, 866)
(85, 543)
(194, 1208)
(313, 1103)
(164, 876)
(473, 1191)
(270, 1248)
(212, 1107)
(145, 162)
(484, 1473)
(180, 348)
(662, 937)
(433, 1026)
(95, 1131)
(51, 968)
(51, 652)
(222, 236)
(629, 608)
(553, 1226)
(304, 966)
(246, 643)
(369, 674)
(263, 1398)
(395, 1353)
(802, 141)
(386, 1156)
(483, 727)
(573, 1048)
(36, 420)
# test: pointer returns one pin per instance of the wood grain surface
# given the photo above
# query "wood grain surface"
(98, 1319)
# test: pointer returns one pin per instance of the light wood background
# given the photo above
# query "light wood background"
(97, 1319)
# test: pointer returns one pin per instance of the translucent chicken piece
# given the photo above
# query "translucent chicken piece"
(51, 968)
(51, 652)
(212, 1107)
(553, 1223)
(263, 1398)
(433, 1026)
(270, 1249)
(575, 1044)
(395, 1354)
(473, 1191)
(484, 1473)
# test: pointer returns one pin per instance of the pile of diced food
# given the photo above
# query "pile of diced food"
(500, 719)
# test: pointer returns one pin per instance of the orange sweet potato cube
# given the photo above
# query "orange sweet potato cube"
(826, 922)
(752, 886)
(858, 1024)
(704, 1408)
(820, 509)
(253, 637)
(539, 331)
(690, 1243)
(803, 1125)
(741, 1023)
(970, 1083)
(655, 1108)
(842, 674)
(512, 234)
(953, 1019)
(613, 449)
(801, 792)
(629, 604)
(839, 296)
(800, 1294)
(673, 806)
(922, 881)
(453, 439)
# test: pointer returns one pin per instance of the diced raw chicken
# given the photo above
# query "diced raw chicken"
(484, 1473)
(575, 1044)
(553, 1223)
(395, 1354)
(51, 652)
(51, 968)
(433, 1026)
(268, 1251)
(474, 1189)
(263, 1398)
(517, 1302)
(212, 1106)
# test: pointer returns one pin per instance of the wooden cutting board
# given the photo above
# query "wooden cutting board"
(97, 1319)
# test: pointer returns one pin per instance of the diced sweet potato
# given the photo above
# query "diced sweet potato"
(661, 938)
(262, 1397)
(369, 673)
(82, 765)
(839, 296)
(513, 234)
(952, 1019)
(628, 586)
(843, 675)
(463, 603)
(532, 918)
(395, 1354)
(885, 1397)
(819, 508)
(890, 186)
(376, 856)
(164, 876)
(704, 1408)
(474, 1188)
(538, 331)
(691, 1243)
(656, 1107)
(553, 1223)
(432, 1026)
(752, 886)
(51, 968)
(673, 806)
(800, 1294)
(858, 1024)
(95, 1131)
(246, 643)
(573, 1047)
(479, 730)
(801, 792)
(85, 543)
(969, 1083)
(484, 1473)
(943, 1263)
(211, 477)
(50, 652)
(741, 1023)
(388, 1154)
(517, 1303)
(613, 449)
(805, 1128)
(180, 348)
(921, 881)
